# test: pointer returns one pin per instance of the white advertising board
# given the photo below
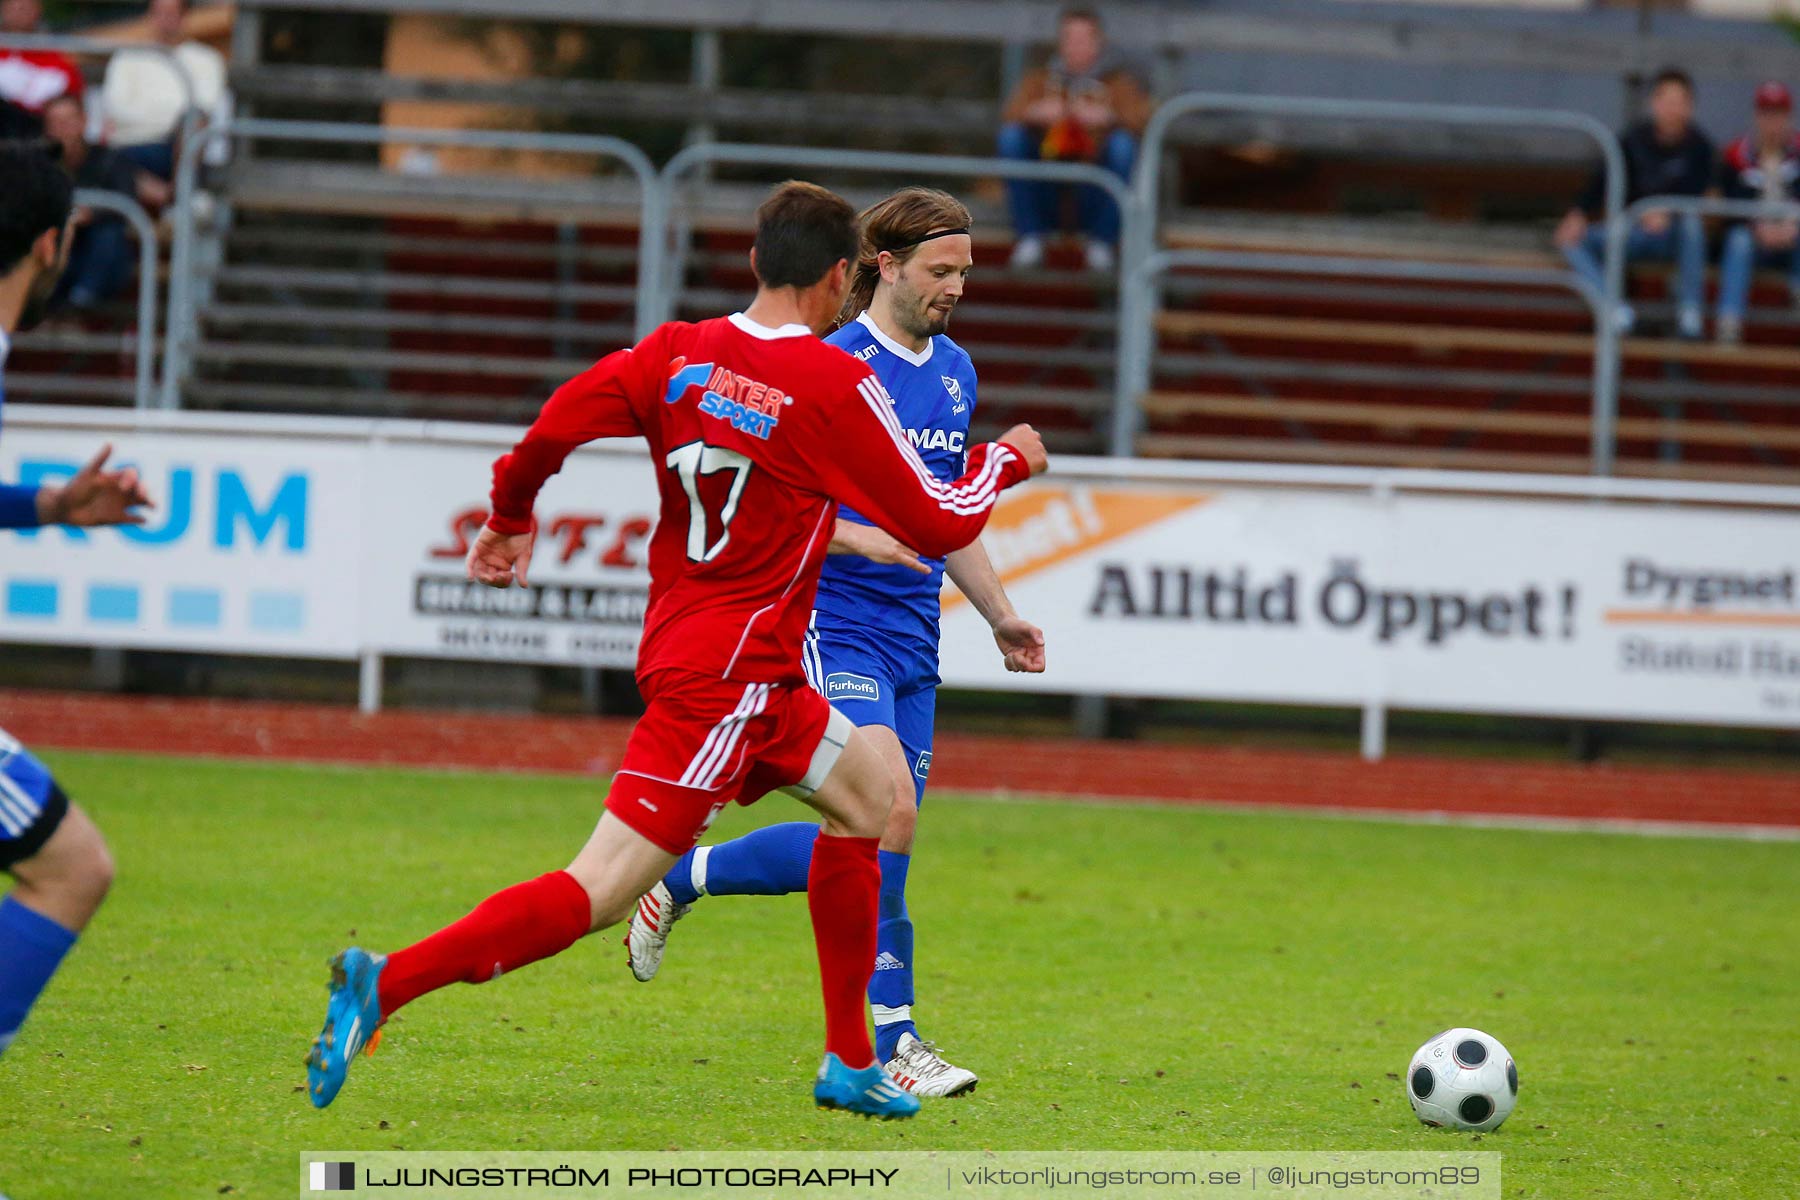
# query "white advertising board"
(1466, 603)
(344, 538)
(589, 582)
(250, 548)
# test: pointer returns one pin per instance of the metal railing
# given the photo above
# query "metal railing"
(144, 338)
(1146, 274)
(145, 387)
(714, 153)
(182, 319)
(1137, 302)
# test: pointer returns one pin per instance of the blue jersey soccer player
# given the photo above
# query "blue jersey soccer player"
(54, 853)
(872, 647)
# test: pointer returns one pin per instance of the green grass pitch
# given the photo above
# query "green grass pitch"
(1121, 977)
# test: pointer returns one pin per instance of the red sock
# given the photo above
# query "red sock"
(843, 890)
(508, 930)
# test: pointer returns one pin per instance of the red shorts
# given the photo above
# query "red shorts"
(703, 743)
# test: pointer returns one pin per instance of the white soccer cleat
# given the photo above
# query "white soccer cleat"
(648, 934)
(918, 1068)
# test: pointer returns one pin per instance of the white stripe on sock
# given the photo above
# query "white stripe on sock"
(697, 869)
(890, 1016)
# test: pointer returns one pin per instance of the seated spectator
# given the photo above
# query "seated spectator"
(145, 98)
(1082, 107)
(1764, 164)
(30, 79)
(100, 258)
(1665, 155)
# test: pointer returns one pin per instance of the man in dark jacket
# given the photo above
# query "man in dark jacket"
(1665, 155)
(100, 262)
(1763, 164)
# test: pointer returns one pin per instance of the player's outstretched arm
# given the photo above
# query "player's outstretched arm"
(595, 404)
(876, 545)
(864, 460)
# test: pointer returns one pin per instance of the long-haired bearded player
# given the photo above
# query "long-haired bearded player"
(872, 645)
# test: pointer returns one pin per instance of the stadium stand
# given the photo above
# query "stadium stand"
(93, 360)
(349, 281)
(1318, 369)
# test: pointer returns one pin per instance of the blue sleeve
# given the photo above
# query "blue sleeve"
(18, 507)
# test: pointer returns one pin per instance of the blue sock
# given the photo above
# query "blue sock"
(32, 947)
(891, 987)
(772, 861)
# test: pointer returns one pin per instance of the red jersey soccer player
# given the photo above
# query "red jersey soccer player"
(758, 429)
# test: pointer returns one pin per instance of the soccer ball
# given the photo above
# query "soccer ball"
(1463, 1079)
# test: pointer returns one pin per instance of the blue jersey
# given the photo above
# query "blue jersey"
(934, 399)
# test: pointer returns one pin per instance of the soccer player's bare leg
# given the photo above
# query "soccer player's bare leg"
(57, 891)
(68, 878)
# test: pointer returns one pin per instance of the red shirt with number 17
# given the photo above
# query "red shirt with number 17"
(756, 433)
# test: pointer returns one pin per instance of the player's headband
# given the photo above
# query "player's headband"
(930, 237)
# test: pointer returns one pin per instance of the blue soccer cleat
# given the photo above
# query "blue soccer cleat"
(352, 1021)
(869, 1091)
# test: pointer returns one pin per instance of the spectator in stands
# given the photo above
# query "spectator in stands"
(145, 98)
(1665, 155)
(1083, 106)
(100, 258)
(31, 79)
(1763, 164)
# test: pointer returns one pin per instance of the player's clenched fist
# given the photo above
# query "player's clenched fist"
(1026, 441)
(496, 559)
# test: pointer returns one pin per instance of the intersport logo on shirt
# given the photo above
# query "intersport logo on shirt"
(749, 405)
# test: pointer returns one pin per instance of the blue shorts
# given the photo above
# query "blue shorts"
(877, 679)
(31, 805)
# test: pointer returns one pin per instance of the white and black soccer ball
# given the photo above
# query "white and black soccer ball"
(1462, 1079)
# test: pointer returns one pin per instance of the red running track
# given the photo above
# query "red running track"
(1121, 770)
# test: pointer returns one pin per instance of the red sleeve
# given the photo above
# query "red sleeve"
(867, 463)
(594, 404)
